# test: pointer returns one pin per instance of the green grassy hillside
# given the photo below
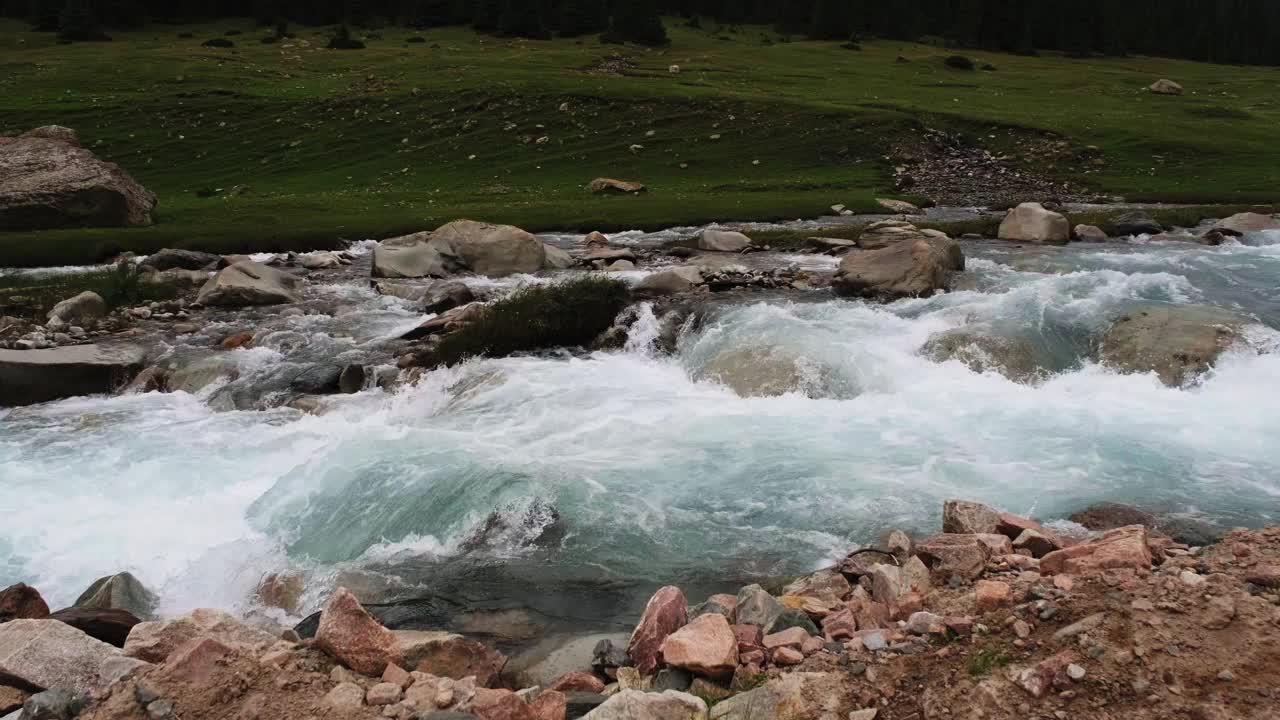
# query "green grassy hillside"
(404, 136)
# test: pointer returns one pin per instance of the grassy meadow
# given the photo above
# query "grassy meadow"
(403, 136)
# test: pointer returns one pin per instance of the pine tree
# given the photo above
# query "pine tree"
(832, 20)
(583, 17)
(521, 18)
(636, 21)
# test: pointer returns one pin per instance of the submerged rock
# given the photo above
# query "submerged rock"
(670, 282)
(249, 283)
(1031, 223)
(764, 372)
(28, 377)
(48, 181)
(1015, 359)
(1177, 342)
(1090, 233)
(909, 269)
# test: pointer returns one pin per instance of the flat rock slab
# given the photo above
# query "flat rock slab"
(28, 377)
(50, 654)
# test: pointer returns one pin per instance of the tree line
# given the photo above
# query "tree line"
(1227, 31)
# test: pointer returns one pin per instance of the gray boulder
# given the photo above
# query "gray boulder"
(885, 233)
(640, 705)
(763, 371)
(28, 377)
(1136, 223)
(490, 250)
(173, 259)
(723, 241)
(670, 282)
(757, 607)
(249, 283)
(82, 310)
(1015, 359)
(1244, 223)
(1031, 223)
(1089, 233)
(48, 182)
(913, 268)
(48, 654)
(412, 256)
(1177, 342)
(121, 591)
(557, 259)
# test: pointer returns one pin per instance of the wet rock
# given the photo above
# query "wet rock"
(83, 309)
(1176, 342)
(964, 556)
(349, 634)
(764, 371)
(1031, 223)
(28, 377)
(964, 517)
(666, 612)
(621, 266)
(918, 268)
(1244, 223)
(490, 250)
(110, 626)
(605, 255)
(22, 602)
(249, 283)
(48, 182)
(1135, 223)
(152, 379)
(537, 524)
(448, 655)
(557, 259)
(412, 256)
(48, 654)
(1121, 548)
(317, 380)
(981, 353)
(822, 584)
(723, 241)
(617, 187)
(670, 282)
(885, 233)
(173, 259)
(638, 705)
(705, 647)
(447, 321)
(155, 641)
(320, 261)
(59, 704)
(352, 379)
(1165, 86)
(1089, 233)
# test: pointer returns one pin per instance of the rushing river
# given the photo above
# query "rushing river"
(656, 474)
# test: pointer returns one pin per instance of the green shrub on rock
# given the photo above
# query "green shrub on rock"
(566, 314)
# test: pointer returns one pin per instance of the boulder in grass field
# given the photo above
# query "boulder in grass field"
(47, 180)
(617, 187)
(1165, 86)
(1031, 223)
(666, 612)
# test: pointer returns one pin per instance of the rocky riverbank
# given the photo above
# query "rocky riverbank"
(996, 617)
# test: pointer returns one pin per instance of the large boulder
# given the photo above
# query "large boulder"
(49, 654)
(412, 256)
(490, 250)
(48, 182)
(155, 641)
(83, 309)
(22, 602)
(1244, 223)
(1177, 342)
(981, 353)
(619, 187)
(1124, 547)
(964, 517)
(1165, 86)
(109, 626)
(706, 646)
(1031, 223)
(121, 591)
(1135, 223)
(640, 705)
(350, 634)
(449, 655)
(762, 371)
(249, 283)
(173, 259)
(28, 377)
(723, 241)
(670, 282)
(885, 233)
(666, 612)
(913, 268)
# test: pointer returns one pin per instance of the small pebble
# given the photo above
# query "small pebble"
(1075, 672)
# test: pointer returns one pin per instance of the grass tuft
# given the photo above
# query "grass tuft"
(119, 286)
(986, 661)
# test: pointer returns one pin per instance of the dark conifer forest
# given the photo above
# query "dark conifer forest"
(1225, 31)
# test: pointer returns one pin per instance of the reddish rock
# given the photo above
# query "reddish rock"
(872, 615)
(755, 656)
(949, 554)
(109, 626)
(839, 626)
(550, 705)
(11, 699)
(791, 637)
(787, 656)
(281, 590)
(748, 634)
(905, 606)
(996, 543)
(992, 595)
(812, 645)
(1125, 547)
(706, 646)
(22, 602)
(197, 661)
(349, 634)
(1038, 681)
(499, 705)
(155, 641)
(1267, 576)
(968, 518)
(1064, 582)
(238, 340)
(384, 693)
(448, 655)
(666, 612)
(578, 681)
(397, 675)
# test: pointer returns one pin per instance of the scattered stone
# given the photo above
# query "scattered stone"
(448, 655)
(1089, 233)
(757, 607)
(1038, 681)
(637, 705)
(83, 310)
(1079, 628)
(155, 641)
(1031, 223)
(346, 697)
(384, 693)
(992, 595)
(579, 681)
(56, 704)
(964, 517)
(1037, 543)
(949, 554)
(1075, 672)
